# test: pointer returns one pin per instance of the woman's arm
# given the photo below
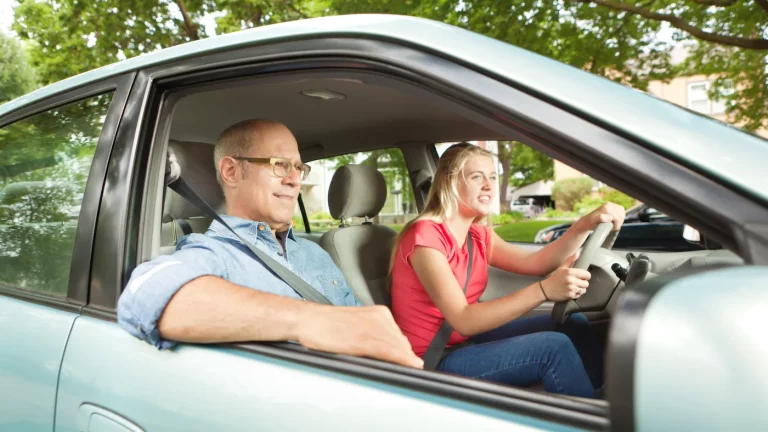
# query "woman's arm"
(436, 276)
(544, 261)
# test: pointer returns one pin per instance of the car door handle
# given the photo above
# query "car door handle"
(91, 418)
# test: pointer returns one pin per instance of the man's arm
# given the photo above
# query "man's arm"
(210, 309)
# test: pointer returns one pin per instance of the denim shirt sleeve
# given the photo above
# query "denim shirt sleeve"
(153, 283)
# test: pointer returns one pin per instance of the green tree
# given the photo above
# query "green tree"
(730, 42)
(521, 165)
(16, 76)
(68, 37)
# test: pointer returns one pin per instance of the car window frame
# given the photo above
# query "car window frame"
(78, 286)
(146, 127)
(582, 142)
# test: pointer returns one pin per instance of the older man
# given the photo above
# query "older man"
(213, 289)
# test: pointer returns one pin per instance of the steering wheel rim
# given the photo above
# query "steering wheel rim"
(600, 238)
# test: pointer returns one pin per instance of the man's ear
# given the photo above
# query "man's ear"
(230, 171)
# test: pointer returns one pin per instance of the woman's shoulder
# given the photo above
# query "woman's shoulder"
(481, 232)
(426, 232)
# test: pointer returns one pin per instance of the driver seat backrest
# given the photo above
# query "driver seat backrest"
(181, 217)
(362, 251)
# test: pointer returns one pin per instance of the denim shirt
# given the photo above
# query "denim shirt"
(220, 253)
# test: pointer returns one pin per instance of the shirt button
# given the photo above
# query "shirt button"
(261, 227)
(280, 253)
(335, 283)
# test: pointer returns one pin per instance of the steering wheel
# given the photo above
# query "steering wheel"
(596, 297)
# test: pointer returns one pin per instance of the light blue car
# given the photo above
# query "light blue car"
(83, 161)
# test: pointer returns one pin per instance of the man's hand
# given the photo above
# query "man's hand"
(359, 331)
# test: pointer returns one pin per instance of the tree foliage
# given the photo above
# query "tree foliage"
(728, 40)
(16, 76)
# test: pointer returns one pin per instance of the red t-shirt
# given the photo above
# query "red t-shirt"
(414, 311)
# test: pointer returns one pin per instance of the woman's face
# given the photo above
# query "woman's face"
(477, 186)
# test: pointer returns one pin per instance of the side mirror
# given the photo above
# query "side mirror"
(687, 354)
(691, 234)
(644, 216)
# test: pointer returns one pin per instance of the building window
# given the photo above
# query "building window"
(698, 99)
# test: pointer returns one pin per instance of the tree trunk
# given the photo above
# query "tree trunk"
(505, 157)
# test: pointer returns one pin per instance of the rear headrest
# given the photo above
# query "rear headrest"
(356, 191)
(195, 161)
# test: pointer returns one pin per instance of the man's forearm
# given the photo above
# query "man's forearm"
(210, 310)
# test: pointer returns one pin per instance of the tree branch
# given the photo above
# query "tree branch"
(189, 27)
(746, 43)
(302, 14)
(718, 3)
(763, 4)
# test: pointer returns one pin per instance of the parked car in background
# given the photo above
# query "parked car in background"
(526, 206)
(644, 229)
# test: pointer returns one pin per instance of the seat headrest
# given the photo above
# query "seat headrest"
(356, 191)
(196, 166)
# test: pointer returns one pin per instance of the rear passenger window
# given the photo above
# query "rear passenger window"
(44, 165)
(399, 207)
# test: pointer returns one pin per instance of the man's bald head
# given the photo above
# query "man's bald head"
(243, 137)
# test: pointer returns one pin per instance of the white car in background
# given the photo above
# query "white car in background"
(526, 207)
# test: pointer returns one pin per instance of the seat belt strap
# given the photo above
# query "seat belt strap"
(186, 228)
(299, 285)
(436, 348)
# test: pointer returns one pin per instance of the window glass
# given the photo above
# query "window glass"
(399, 207)
(44, 165)
(542, 197)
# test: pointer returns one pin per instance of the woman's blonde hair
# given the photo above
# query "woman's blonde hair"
(443, 197)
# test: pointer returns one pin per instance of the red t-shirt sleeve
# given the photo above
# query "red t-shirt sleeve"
(423, 233)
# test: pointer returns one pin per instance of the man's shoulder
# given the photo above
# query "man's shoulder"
(196, 240)
(309, 245)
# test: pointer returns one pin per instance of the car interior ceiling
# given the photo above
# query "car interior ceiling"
(373, 111)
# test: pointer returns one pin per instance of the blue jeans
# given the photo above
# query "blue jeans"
(567, 358)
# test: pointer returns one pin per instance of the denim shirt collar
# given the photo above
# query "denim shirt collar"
(247, 229)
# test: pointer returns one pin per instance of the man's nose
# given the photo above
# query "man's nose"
(293, 179)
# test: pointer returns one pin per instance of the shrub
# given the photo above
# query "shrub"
(508, 218)
(590, 203)
(551, 213)
(620, 198)
(321, 215)
(568, 192)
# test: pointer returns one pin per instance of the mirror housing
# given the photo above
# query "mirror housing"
(688, 352)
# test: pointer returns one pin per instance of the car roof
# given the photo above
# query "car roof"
(712, 147)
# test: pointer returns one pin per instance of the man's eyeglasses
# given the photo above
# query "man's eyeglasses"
(280, 166)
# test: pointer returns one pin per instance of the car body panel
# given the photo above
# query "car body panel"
(215, 388)
(32, 342)
(719, 150)
(700, 360)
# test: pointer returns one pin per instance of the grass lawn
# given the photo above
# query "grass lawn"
(524, 231)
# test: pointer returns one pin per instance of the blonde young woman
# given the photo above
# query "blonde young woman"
(429, 273)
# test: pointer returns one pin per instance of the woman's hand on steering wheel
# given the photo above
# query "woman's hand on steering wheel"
(608, 212)
(566, 283)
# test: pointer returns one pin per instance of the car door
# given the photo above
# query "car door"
(53, 154)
